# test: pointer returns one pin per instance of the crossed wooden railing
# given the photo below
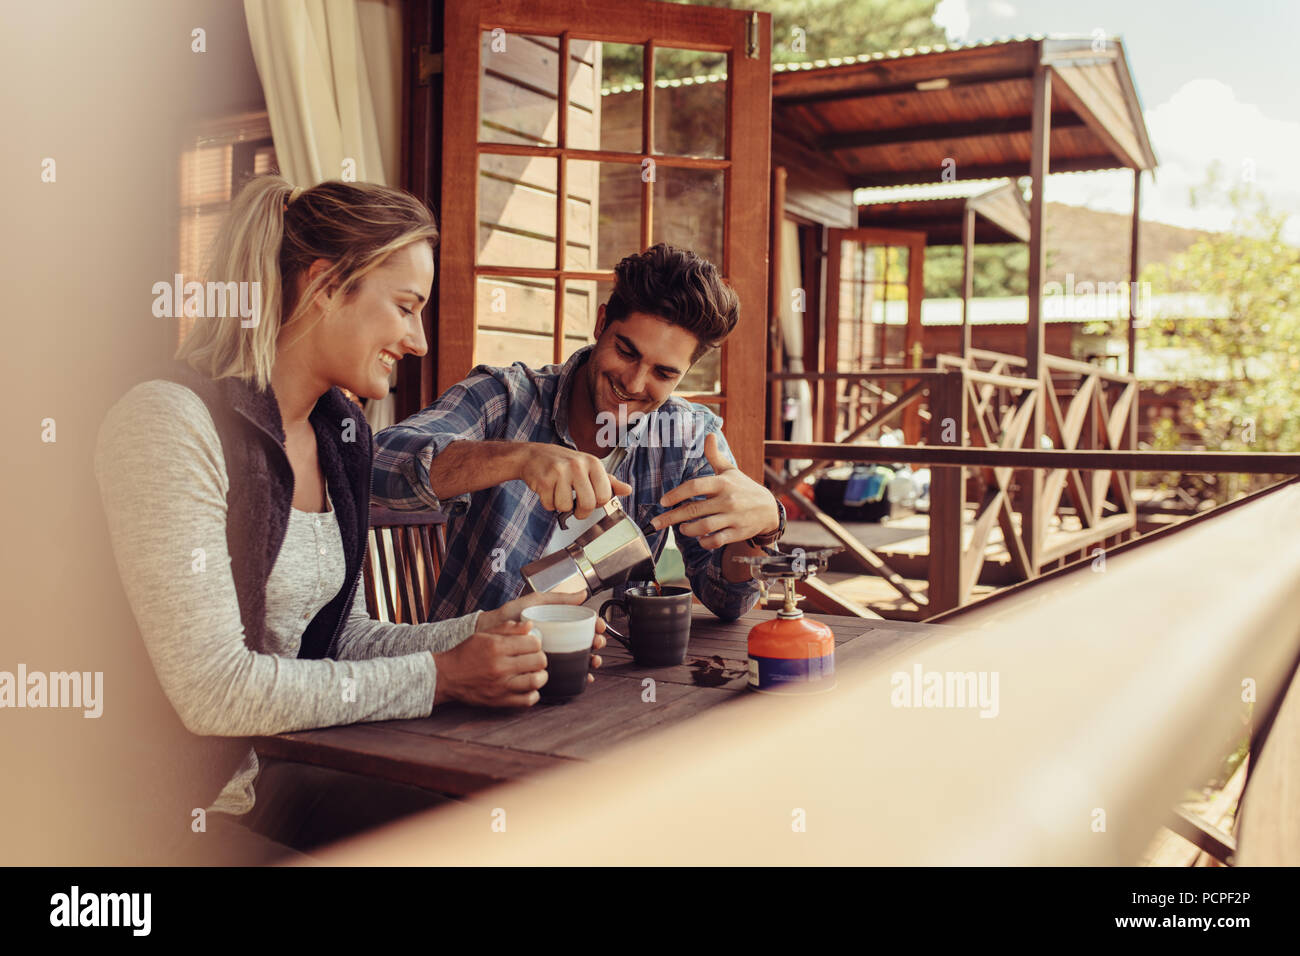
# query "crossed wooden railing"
(985, 401)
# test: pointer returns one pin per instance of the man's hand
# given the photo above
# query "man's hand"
(558, 474)
(508, 614)
(735, 507)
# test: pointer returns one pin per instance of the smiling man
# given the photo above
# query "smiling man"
(506, 450)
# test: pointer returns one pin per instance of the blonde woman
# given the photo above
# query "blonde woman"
(237, 488)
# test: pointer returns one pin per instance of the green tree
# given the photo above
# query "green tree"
(1239, 368)
(805, 30)
(999, 270)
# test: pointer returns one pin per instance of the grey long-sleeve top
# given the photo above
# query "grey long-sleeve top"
(163, 480)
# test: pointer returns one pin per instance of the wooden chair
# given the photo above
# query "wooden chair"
(404, 554)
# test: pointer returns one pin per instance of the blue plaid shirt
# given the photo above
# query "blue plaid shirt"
(493, 533)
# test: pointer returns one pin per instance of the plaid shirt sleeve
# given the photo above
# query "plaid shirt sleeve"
(728, 600)
(473, 410)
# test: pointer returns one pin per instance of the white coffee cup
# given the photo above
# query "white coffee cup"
(563, 628)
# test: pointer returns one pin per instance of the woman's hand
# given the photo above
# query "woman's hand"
(503, 668)
(510, 611)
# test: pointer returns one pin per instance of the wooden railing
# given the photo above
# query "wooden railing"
(983, 404)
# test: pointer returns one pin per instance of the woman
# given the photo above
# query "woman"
(237, 490)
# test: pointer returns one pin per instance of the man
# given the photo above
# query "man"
(508, 449)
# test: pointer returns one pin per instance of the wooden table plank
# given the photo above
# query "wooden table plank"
(434, 763)
(462, 750)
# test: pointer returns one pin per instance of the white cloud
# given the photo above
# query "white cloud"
(953, 17)
(1201, 123)
(1000, 8)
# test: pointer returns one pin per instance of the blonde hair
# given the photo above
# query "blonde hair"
(272, 234)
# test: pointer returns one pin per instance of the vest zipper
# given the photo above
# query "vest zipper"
(351, 585)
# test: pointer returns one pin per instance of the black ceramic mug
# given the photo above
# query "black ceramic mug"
(567, 633)
(658, 623)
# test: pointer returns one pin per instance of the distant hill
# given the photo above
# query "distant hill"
(1094, 245)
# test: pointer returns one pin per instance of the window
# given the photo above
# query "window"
(220, 157)
(601, 130)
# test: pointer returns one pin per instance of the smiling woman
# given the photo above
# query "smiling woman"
(237, 490)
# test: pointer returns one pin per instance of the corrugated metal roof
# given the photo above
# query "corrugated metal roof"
(842, 60)
(958, 189)
(918, 51)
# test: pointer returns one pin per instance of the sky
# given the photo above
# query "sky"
(1217, 79)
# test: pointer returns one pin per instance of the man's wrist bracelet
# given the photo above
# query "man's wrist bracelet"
(769, 539)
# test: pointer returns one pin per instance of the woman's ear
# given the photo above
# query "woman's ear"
(324, 297)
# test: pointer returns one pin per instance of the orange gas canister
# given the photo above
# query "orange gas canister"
(791, 655)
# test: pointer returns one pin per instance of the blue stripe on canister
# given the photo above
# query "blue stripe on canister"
(791, 675)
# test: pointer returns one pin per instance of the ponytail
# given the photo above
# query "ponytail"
(271, 236)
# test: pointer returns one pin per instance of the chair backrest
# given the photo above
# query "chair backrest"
(404, 554)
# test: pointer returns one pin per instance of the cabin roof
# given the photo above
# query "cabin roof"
(937, 209)
(923, 115)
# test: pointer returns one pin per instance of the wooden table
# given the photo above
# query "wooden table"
(460, 749)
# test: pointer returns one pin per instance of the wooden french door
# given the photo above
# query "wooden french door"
(576, 133)
(874, 287)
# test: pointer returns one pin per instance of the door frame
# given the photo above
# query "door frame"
(914, 242)
(745, 203)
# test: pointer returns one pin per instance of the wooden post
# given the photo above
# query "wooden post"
(422, 27)
(1133, 248)
(1133, 271)
(1034, 523)
(460, 182)
(829, 391)
(967, 275)
(777, 296)
(814, 262)
(915, 334)
(947, 491)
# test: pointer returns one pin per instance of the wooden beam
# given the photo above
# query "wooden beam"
(1134, 251)
(968, 65)
(866, 178)
(947, 492)
(967, 275)
(459, 244)
(1196, 462)
(813, 241)
(777, 298)
(828, 390)
(1209, 839)
(422, 28)
(1033, 521)
(913, 338)
(912, 135)
(870, 373)
(823, 597)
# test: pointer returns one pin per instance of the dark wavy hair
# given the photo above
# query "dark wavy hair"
(679, 287)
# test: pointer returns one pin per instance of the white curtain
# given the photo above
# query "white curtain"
(792, 334)
(331, 72)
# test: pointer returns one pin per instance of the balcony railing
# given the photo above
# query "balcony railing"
(980, 415)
